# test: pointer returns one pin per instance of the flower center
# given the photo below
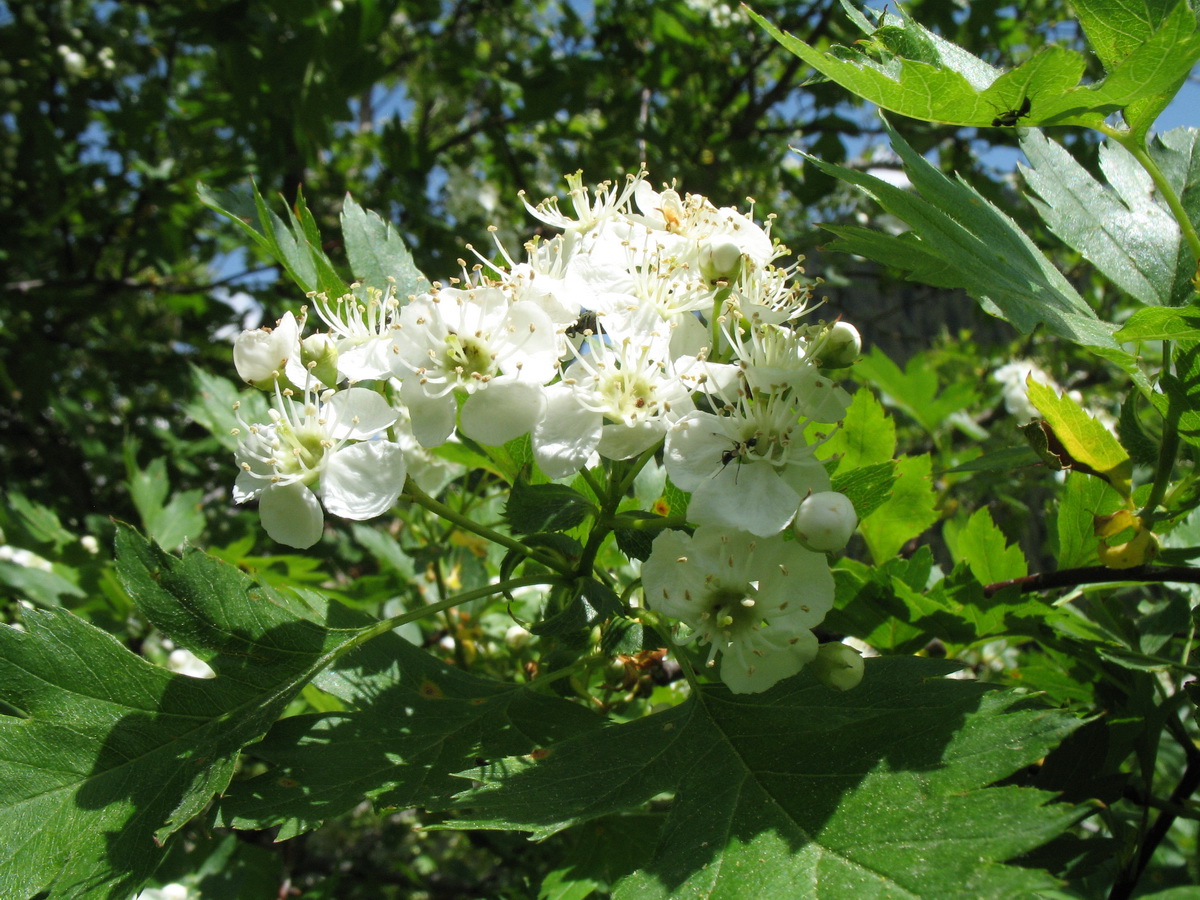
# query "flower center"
(733, 608)
(467, 356)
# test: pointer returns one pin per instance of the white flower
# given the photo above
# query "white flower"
(747, 469)
(616, 399)
(361, 327)
(609, 201)
(775, 361)
(755, 600)
(470, 341)
(172, 891)
(323, 444)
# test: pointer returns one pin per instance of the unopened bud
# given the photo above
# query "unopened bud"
(841, 347)
(720, 259)
(517, 637)
(825, 521)
(838, 666)
(319, 355)
(260, 356)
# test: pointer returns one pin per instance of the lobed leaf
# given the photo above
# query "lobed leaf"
(960, 240)
(982, 546)
(106, 754)
(1085, 439)
(877, 792)
(411, 721)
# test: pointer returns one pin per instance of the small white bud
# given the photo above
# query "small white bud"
(838, 666)
(517, 637)
(260, 355)
(720, 258)
(825, 521)
(842, 346)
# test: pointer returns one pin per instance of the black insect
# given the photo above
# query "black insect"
(587, 323)
(1013, 116)
(728, 456)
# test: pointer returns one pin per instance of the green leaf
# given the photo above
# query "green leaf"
(906, 69)
(545, 507)
(868, 488)
(868, 605)
(1085, 439)
(960, 240)
(1142, 450)
(39, 524)
(982, 546)
(1124, 228)
(1083, 498)
(168, 522)
(378, 256)
(908, 512)
(45, 588)
(411, 721)
(1117, 29)
(915, 389)
(295, 245)
(879, 791)
(211, 405)
(867, 436)
(998, 461)
(1179, 400)
(108, 754)
(1159, 324)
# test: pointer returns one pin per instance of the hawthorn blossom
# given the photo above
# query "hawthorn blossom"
(616, 400)
(747, 468)
(360, 325)
(473, 341)
(329, 444)
(753, 600)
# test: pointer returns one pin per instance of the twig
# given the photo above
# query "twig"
(1043, 581)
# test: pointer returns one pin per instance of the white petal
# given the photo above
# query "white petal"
(748, 673)
(619, 441)
(694, 447)
(291, 515)
(502, 412)
(748, 496)
(432, 417)
(567, 434)
(364, 480)
(357, 414)
(530, 341)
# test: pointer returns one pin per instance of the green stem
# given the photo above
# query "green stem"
(715, 319)
(418, 496)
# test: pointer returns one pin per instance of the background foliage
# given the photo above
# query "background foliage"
(121, 289)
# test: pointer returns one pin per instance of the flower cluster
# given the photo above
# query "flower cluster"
(651, 319)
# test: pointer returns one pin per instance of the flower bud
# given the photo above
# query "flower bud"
(837, 666)
(517, 637)
(841, 347)
(261, 355)
(825, 521)
(720, 259)
(319, 355)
